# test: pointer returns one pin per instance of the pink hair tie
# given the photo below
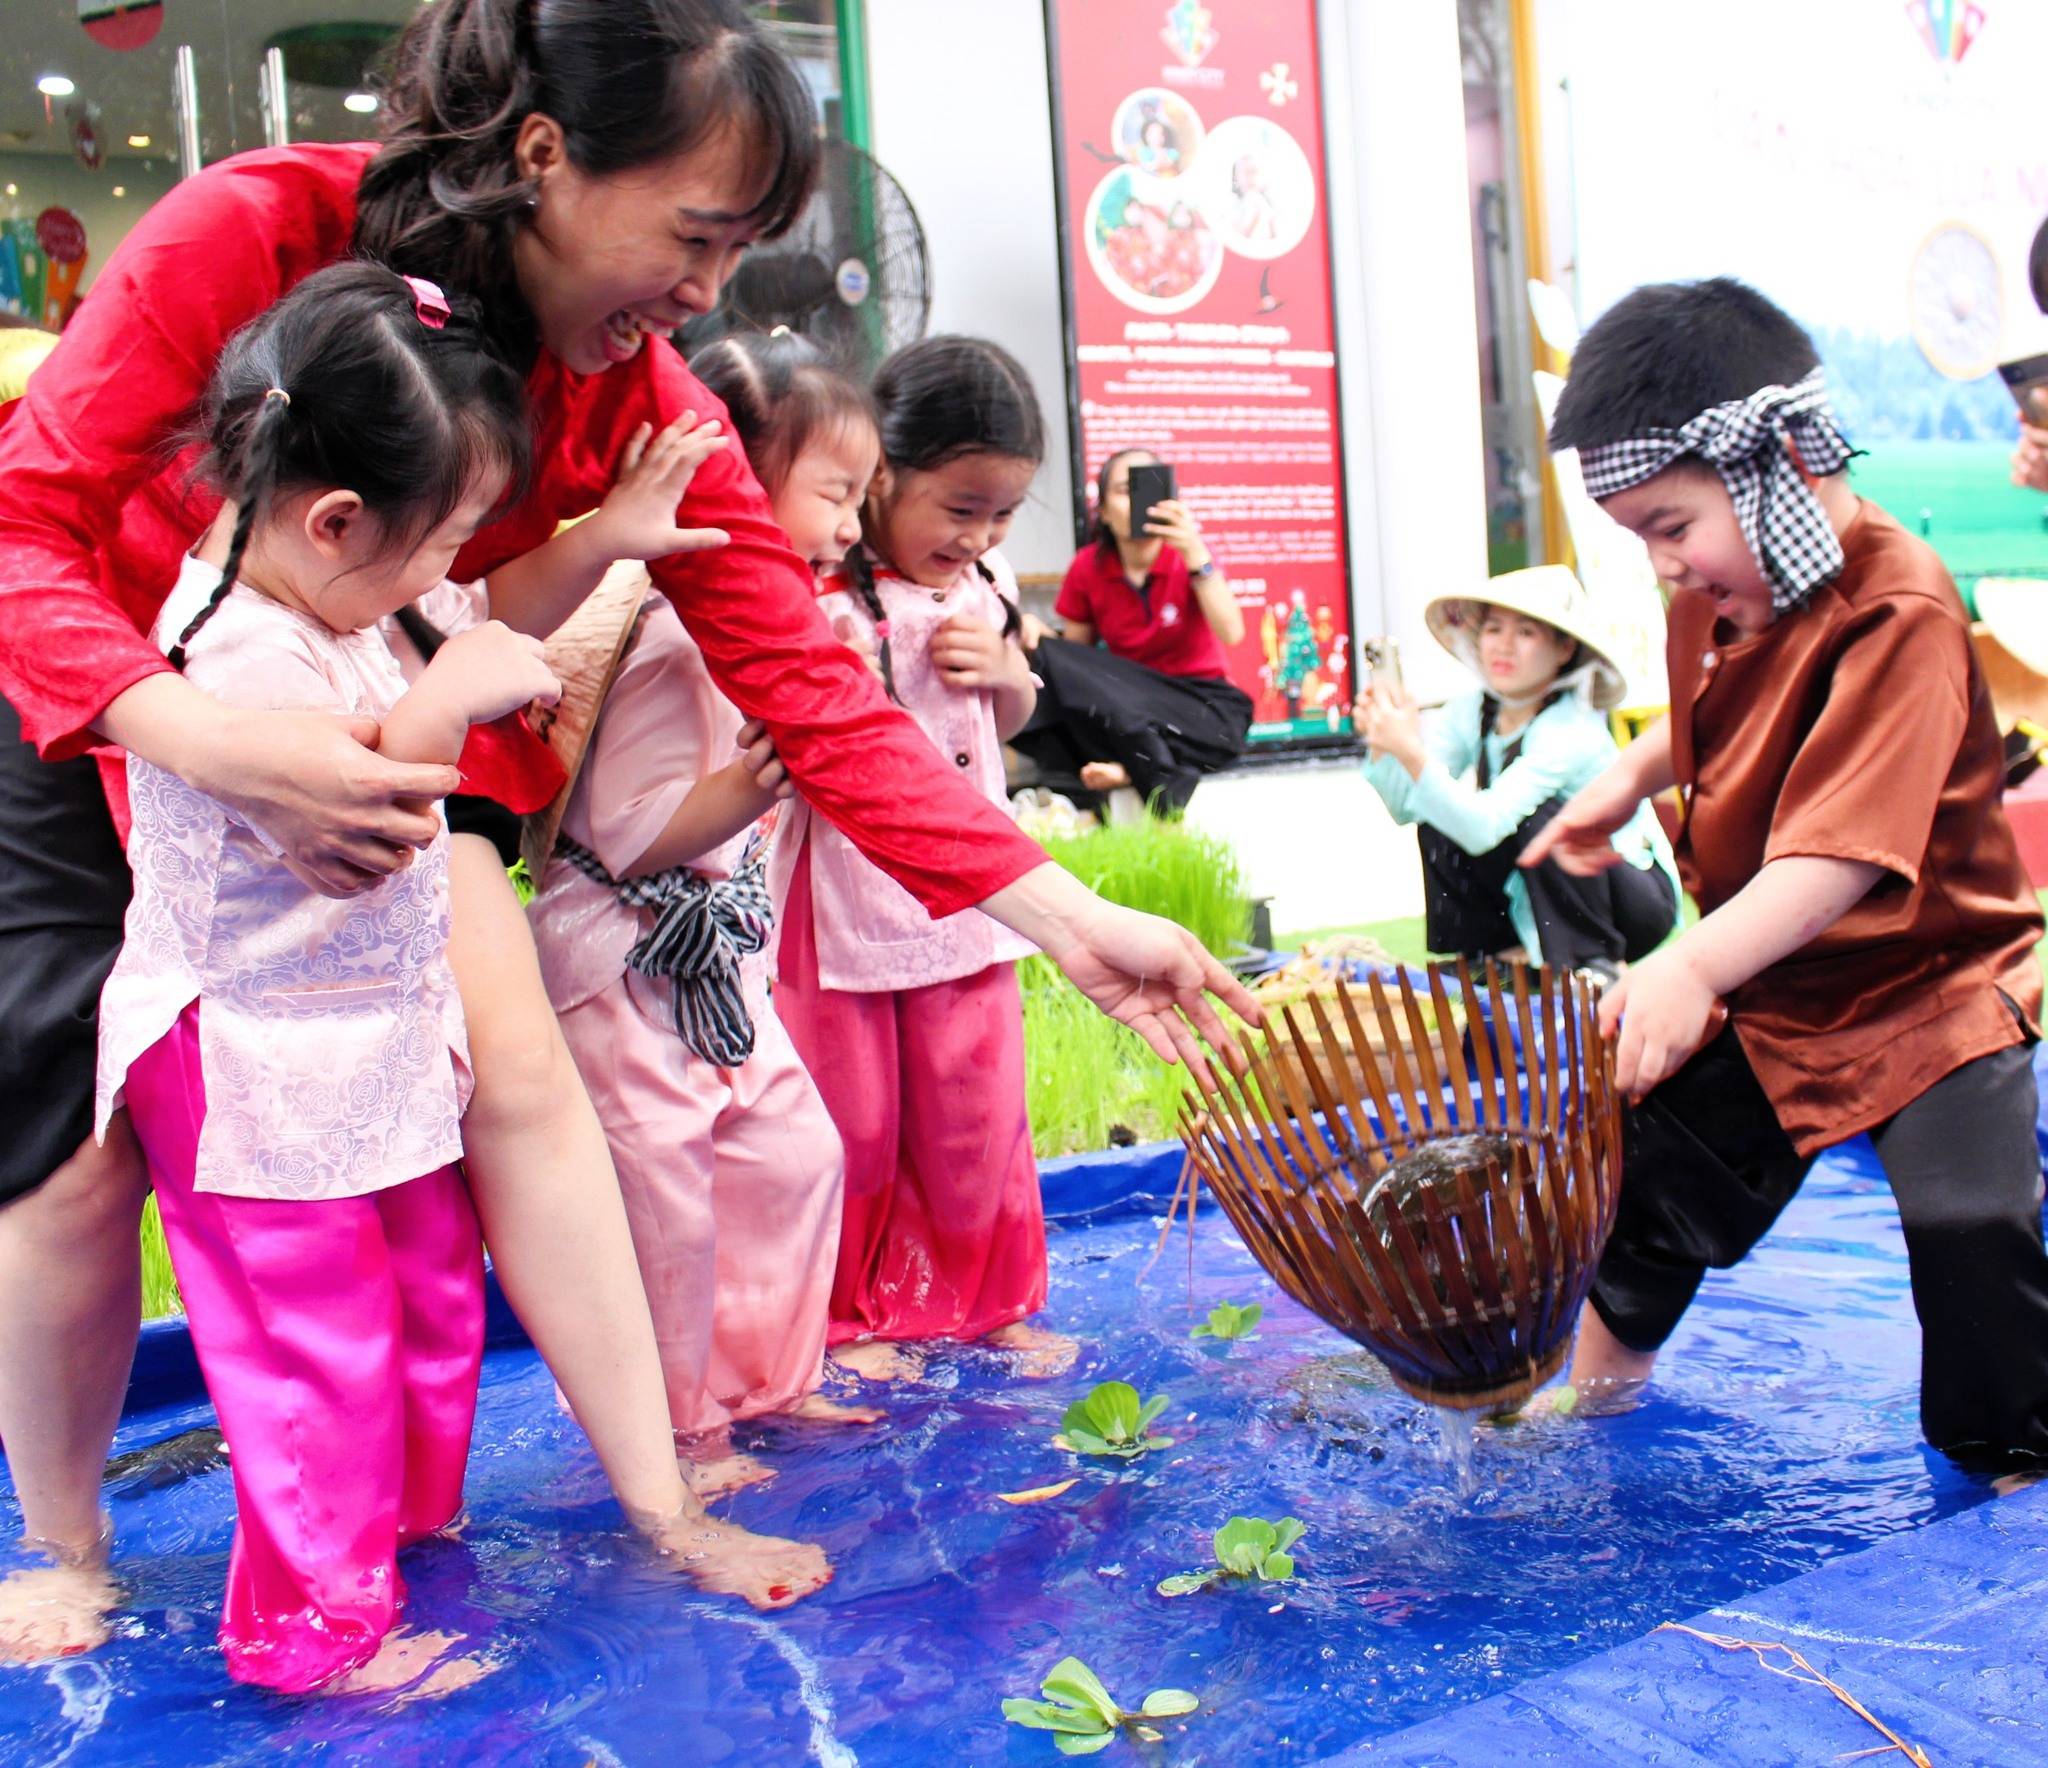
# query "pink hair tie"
(428, 302)
(881, 629)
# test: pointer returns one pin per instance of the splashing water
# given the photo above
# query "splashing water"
(1458, 1432)
(1437, 1568)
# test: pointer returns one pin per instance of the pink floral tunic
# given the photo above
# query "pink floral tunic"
(873, 936)
(331, 1034)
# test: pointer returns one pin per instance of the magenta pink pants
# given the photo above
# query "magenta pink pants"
(341, 1342)
(943, 1233)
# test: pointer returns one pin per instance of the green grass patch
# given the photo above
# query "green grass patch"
(159, 1284)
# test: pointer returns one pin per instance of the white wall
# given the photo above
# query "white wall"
(1406, 322)
(964, 120)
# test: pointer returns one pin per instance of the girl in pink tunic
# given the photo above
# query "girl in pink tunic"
(913, 1028)
(653, 925)
(294, 1064)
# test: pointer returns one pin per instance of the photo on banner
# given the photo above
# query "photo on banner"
(1195, 253)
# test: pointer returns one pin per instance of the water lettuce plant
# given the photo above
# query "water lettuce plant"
(1109, 1420)
(1083, 1714)
(1246, 1547)
(1228, 1321)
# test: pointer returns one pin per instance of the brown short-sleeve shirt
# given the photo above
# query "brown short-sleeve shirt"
(1858, 728)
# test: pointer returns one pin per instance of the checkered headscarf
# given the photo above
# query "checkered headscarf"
(1788, 532)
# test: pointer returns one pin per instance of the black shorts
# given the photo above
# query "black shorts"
(63, 893)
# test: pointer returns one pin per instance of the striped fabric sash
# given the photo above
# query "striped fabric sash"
(702, 929)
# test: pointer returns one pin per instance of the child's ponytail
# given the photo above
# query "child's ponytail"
(362, 380)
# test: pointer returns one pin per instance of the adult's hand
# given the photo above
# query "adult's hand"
(2030, 458)
(1143, 971)
(344, 815)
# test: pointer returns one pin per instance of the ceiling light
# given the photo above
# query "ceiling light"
(138, 141)
(120, 190)
(55, 86)
(14, 190)
(362, 103)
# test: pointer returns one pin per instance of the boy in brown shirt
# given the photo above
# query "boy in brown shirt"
(1864, 913)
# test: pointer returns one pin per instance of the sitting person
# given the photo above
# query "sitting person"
(1531, 736)
(1150, 705)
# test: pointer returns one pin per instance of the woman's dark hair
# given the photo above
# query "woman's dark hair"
(781, 396)
(939, 400)
(1668, 351)
(631, 82)
(2037, 267)
(1100, 535)
(345, 382)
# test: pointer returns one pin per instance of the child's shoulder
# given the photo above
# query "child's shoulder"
(1883, 563)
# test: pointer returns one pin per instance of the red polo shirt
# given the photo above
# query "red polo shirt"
(1164, 629)
(94, 519)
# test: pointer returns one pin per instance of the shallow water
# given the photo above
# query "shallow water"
(1436, 1570)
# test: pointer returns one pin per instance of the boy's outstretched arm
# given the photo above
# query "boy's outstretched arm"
(1664, 1005)
(1577, 838)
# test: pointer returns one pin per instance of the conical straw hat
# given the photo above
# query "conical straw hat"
(1550, 593)
(584, 652)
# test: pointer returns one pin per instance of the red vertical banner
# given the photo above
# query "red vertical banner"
(1196, 250)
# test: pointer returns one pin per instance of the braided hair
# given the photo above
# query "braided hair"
(349, 382)
(939, 400)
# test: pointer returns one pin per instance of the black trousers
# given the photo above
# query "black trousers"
(1617, 916)
(1706, 1170)
(64, 890)
(1166, 730)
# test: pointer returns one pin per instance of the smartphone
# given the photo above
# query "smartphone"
(1383, 665)
(1149, 485)
(2027, 381)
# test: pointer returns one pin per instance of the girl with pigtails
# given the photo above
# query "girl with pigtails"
(588, 173)
(912, 1027)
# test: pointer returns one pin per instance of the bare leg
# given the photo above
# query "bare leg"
(70, 1301)
(542, 1178)
(816, 1409)
(1104, 776)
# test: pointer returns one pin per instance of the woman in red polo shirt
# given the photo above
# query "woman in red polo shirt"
(589, 171)
(1135, 688)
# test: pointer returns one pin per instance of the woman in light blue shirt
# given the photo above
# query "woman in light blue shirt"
(1484, 772)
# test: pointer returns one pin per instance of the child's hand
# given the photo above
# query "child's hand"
(970, 653)
(763, 765)
(1664, 1011)
(488, 671)
(854, 636)
(2030, 458)
(637, 520)
(1578, 836)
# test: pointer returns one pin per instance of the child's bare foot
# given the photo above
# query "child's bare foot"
(766, 1570)
(55, 1611)
(1587, 1396)
(816, 1409)
(1040, 1354)
(403, 1657)
(450, 1676)
(1104, 776)
(719, 1476)
(880, 1359)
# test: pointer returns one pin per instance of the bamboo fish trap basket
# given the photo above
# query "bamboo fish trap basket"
(1441, 1199)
